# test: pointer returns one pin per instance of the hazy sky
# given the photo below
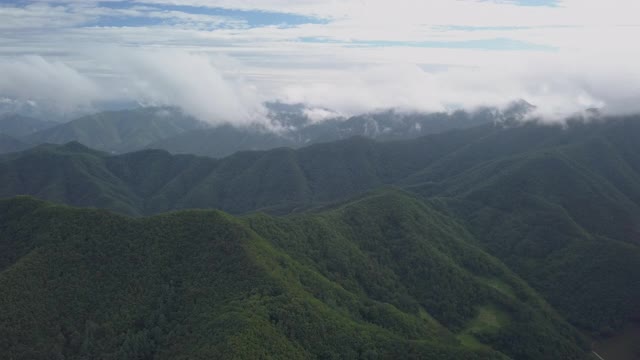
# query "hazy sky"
(221, 59)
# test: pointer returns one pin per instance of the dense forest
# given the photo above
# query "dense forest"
(496, 241)
(383, 277)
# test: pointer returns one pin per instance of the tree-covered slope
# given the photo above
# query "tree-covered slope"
(70, 173)
(366, 280)
(153, 181)
(443, 165)
(119, 131)
(564, 215)
(560, 207)
(399, 251)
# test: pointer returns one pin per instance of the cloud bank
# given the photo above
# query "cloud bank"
(221, 60)
(53, 84)
(195, 82)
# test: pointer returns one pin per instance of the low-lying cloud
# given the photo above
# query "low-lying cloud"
(195, 82)
(217, 89)
(222, 60)
(558, 86)
(52, 85)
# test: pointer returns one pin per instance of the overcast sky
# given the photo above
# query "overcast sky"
(221, 59)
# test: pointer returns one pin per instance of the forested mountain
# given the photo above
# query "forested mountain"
(294, 130)
(154, 181)
(564, 214)
(559, 207)
(170, 129)
(383, 277)
(119, 131)
(17, 126)
(450, 164)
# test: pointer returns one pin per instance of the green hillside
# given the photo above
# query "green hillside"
(559, 207)
(384, 276)
(280, 180)
(564, 215)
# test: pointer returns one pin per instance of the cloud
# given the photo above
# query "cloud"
(221, 65)
(194, 82)
(40, 15)
(52, 85)
(202, 86)
(316, 115)
(558, 84)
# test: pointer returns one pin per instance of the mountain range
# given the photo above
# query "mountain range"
(119, 131)
(286, 126)
(501, 240)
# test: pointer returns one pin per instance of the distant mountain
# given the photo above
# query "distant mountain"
(9, 144)
(18, 126)
(119, 131)
(223, 140)
(294, 129)
(292, 126)
(385, 276)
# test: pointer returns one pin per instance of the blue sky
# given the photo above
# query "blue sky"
(252, 18)
(221, 59)
(151, 14)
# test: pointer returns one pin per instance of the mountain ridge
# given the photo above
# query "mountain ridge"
(124, 131)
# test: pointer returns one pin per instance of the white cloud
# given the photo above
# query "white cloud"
(192, 81)
(558, 84)
(54, 85)
(39, 15)
(317, 115)
(221, 69)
